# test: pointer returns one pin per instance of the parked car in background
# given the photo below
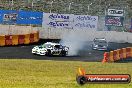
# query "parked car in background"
(100, 44)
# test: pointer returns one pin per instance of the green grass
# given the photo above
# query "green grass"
(56, 74)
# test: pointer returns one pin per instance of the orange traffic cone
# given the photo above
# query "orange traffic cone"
(105, 59)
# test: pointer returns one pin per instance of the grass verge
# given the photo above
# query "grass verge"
(56, 74)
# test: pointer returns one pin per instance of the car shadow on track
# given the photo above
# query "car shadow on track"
(69, 58)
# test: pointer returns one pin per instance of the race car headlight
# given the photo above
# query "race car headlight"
(104, 46)
(45, 50)
(33, 49)
(95, 45)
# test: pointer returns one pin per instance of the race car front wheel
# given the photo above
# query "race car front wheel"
(63, 53)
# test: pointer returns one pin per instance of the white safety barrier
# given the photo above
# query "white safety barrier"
(89, 35)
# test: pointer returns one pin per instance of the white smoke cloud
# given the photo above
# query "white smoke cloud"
(76, 40)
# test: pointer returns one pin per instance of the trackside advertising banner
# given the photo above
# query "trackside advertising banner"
(20, 17)
(54, 20)
(114, 21)
(115, 12)
(85, 22)
(69, 21)
(8, 16)
(30, 17)
(131, 25)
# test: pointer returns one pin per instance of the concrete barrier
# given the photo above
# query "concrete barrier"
(111, 36)
(19, 39)
(118, 54)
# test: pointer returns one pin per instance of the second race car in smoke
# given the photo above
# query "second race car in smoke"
(100, 44)
(50, 49)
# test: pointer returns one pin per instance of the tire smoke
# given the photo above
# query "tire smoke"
(75, 40)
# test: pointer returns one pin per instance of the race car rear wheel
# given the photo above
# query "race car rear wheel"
(49, 53)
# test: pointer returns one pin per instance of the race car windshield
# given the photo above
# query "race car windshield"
(100, 42)
(57, 46)
(47, 45)
(40, 46)
(44, 46)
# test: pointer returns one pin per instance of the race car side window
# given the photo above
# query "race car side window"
(57, 46)
(61, 46)
(48, 45)
(51, 46)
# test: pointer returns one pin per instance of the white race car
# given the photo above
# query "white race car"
(50, 49)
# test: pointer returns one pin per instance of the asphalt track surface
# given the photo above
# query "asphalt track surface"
(24, 52)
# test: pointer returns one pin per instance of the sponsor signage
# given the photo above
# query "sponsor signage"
(20, 17)
(10, 18)
(114, 21)
(85, 22)
(69, 21)
(54, 20)
(30, 17)
(115, 12)
(131, 26)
